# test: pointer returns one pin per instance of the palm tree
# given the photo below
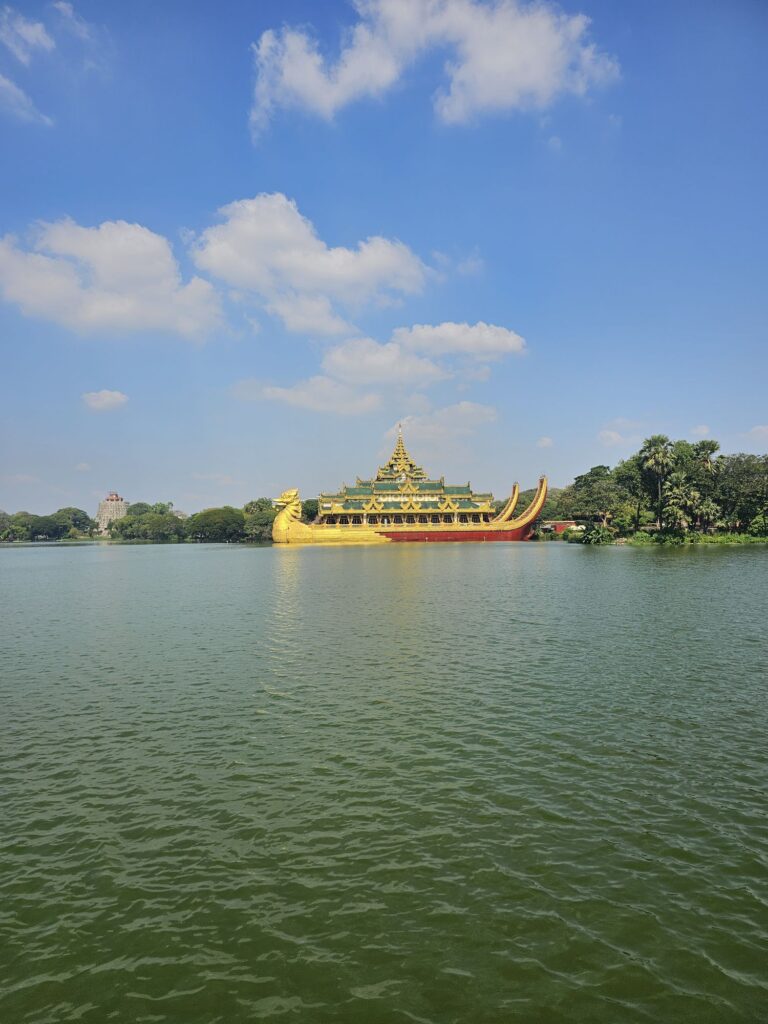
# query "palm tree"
(682, 502)
(709, 513)
(658, 460)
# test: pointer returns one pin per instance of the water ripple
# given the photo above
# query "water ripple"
(525, 783)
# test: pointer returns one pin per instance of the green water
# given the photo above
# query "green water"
(465, 783)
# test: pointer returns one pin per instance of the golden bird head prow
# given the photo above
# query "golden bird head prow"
(288, 497)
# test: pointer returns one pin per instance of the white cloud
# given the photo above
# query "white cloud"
(759, 433)
(83, 467)
(472, 266)
(319, 394)
(308, 314)
(446, 424)
(104, 401)
(364, 361)
(624, 423)
(611, 437)
(116, 276)
(702, 430)
(267, 247)
(77, 25)
(555, 143)
(22, 36)
(505, 55)
(479, 373)
(620, 430)
(544, 442)
(15, 101)
(485, 341)
(357, 363)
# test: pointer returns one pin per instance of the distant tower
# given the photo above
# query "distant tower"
(111, 508)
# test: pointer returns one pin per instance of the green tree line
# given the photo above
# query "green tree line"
(153, 522)
(66, 522)
(668, 490)
(671, 491)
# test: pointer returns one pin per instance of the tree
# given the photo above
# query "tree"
(594, 495)
(698, 463)
(658, 459)
(259, 516)
(629, 475)
(138, 508)
(257, 505)
(217, 525)
(45, 527)
(309, 510)
(160, 527)
(681, 503)
(75, 518)
(551, 509)
(742, 488)
(704, 456)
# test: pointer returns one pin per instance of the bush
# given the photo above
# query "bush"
(596, 534)
(669, 537)
(573, 535)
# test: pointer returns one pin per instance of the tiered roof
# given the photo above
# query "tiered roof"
(400, 464)
(401, 484)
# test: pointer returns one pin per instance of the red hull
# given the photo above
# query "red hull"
(433, 536)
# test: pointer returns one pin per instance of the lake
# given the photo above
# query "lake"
(443, 784)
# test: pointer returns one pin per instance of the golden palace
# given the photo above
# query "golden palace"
(401, 503)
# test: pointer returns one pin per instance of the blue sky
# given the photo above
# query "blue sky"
(242, 241)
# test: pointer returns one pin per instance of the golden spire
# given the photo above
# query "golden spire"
(400, 463)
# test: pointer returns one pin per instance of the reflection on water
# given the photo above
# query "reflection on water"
(466, 783)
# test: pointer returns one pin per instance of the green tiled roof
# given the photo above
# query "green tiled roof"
(388, 483)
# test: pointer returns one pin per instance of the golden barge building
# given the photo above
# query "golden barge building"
(401, 503)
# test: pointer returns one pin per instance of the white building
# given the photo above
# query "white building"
(111, 508)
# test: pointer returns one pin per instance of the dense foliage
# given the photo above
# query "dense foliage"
(670, 491)
(67, 522)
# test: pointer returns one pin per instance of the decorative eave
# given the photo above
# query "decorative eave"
(400, 485)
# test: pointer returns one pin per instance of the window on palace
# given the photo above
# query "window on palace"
(410, 520)
(397, 520)
(463, 519)
(475, 517)
(447, 519)
(373, 520)
(343, 520)
(330, 520)
(357, 520)
(436, 520)
(423, 520)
